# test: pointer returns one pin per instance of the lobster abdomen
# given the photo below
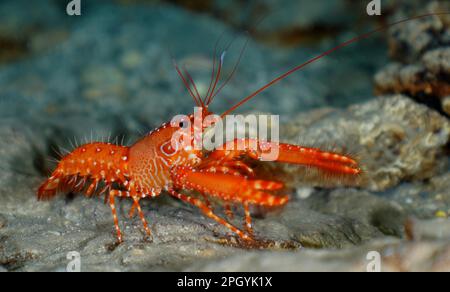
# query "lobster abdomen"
(94, 162)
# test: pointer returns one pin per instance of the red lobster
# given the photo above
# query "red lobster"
(153, 165)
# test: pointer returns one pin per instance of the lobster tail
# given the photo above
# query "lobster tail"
(86, 169)
(59, 183)
(48, 189)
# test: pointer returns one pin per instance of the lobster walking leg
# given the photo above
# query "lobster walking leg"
(92, 187)
(112, 204)
(207, 202)
(209, 213)
(231, 166)
(242, 166)
(222, 169)
(133, 195)
(141, 215)
(229, 211)
(132, 210)
(248, 218)
(229, 188)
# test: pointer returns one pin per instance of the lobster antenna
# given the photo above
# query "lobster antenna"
(326, 53)
(211, 91)
(219, 71)
(186, 84)
(192, 82)
(210, 94)
(214, 64)
(241, 54)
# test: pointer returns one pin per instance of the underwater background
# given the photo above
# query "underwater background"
(109, 73)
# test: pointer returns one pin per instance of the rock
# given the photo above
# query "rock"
(446, 105)
(3, 222)
(394, 138)
(426, 81)
(420, 49)
(317, 230)
(20, 159)
(428, 252)
(371, 210)
(408, 42)
(423, 200)
(40, 238)
(395, 256)
(435, 229)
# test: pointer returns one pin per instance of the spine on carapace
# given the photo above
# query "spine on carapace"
(91, 164)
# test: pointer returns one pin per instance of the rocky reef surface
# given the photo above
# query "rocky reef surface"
(66, 79)
(422, 58)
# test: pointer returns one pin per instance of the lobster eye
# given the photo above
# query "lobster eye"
(167, 149)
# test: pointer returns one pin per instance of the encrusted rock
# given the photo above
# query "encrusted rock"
(427, 80)
(421, 52)
(409, 41)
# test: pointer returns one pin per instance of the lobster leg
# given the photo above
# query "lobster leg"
(229, 188)
(133, 195)
(92, 188)
(207, 202)
(287, 153)
(227, 170)
(132, 210)
(112, 205)
(132, 192)
(234, 166)
(229, 212)
(242, 166)
(141, 215)
(248, 218)
(209, 213)
(223, 169)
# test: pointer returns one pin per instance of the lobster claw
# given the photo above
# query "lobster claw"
(227, 187)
